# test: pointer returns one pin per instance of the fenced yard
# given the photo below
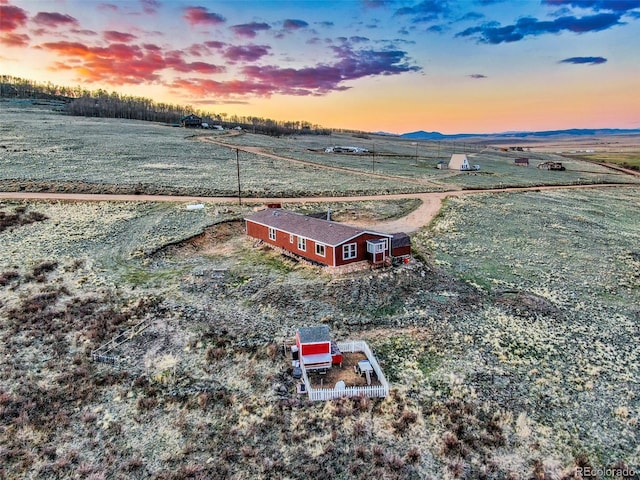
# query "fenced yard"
(381, 390)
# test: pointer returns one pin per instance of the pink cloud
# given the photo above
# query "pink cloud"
(114, 36)
(11, 18)
(200, 15)
(177, 63)
(11, 39)
(54, 19)
(202, 88)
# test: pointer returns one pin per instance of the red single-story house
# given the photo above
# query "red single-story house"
(323, 241)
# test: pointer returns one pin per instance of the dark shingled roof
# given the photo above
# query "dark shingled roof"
(400, 240)
(322, 231)
(314, 334)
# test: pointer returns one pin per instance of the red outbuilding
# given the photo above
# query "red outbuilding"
(322, 241)
(314, 347)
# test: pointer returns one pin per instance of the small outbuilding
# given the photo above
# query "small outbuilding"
(314, 347)
(522, 162)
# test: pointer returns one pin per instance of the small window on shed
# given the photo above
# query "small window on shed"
(272, 233)
(320, 249)
(291, 235)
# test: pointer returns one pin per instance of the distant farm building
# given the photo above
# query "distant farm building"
(551, 166)
(522, 162)
(442, 165)
(191, 121)
(459, 161)
(338, 149)
(325, 242)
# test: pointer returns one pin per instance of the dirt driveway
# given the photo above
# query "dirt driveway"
(418, 218)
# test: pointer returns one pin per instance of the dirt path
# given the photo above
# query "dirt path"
(421, 216)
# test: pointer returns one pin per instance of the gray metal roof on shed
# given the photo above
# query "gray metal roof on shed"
(322, 231)
(317, 334)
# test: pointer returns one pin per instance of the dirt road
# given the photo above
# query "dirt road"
(421, 216)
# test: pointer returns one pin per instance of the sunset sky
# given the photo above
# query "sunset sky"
(466, 66)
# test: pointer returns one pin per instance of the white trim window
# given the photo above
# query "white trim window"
(320, 250)
(349, 251)
(302, 244)
(272, 234)
(291, 237)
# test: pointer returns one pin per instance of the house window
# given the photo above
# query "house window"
(349, 251)
(272, 233)
(291, 235)
(320, 249)
(302, 244)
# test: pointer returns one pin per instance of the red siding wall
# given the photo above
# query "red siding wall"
(315, 348)
(400, 251)
(283, 241)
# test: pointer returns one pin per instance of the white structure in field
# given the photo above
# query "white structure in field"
(459, 161)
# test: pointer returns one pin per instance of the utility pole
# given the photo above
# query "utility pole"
(238, 168)
(373, 159)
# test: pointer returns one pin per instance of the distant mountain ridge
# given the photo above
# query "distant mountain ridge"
(422, 135)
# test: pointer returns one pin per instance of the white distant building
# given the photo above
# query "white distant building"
(459, 161)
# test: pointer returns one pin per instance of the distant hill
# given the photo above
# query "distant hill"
(422, 135)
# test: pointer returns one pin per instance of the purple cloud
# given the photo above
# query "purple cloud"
(54, 19)
(246, 53)
(316, 80)
(584, 60)
(250, 30)
(215, 44)
(494, 33)
(294, 24)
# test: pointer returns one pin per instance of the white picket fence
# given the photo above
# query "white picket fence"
(382, 390)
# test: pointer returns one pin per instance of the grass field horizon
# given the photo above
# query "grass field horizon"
(43, 150)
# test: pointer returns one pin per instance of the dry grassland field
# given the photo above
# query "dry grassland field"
(510, 340)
